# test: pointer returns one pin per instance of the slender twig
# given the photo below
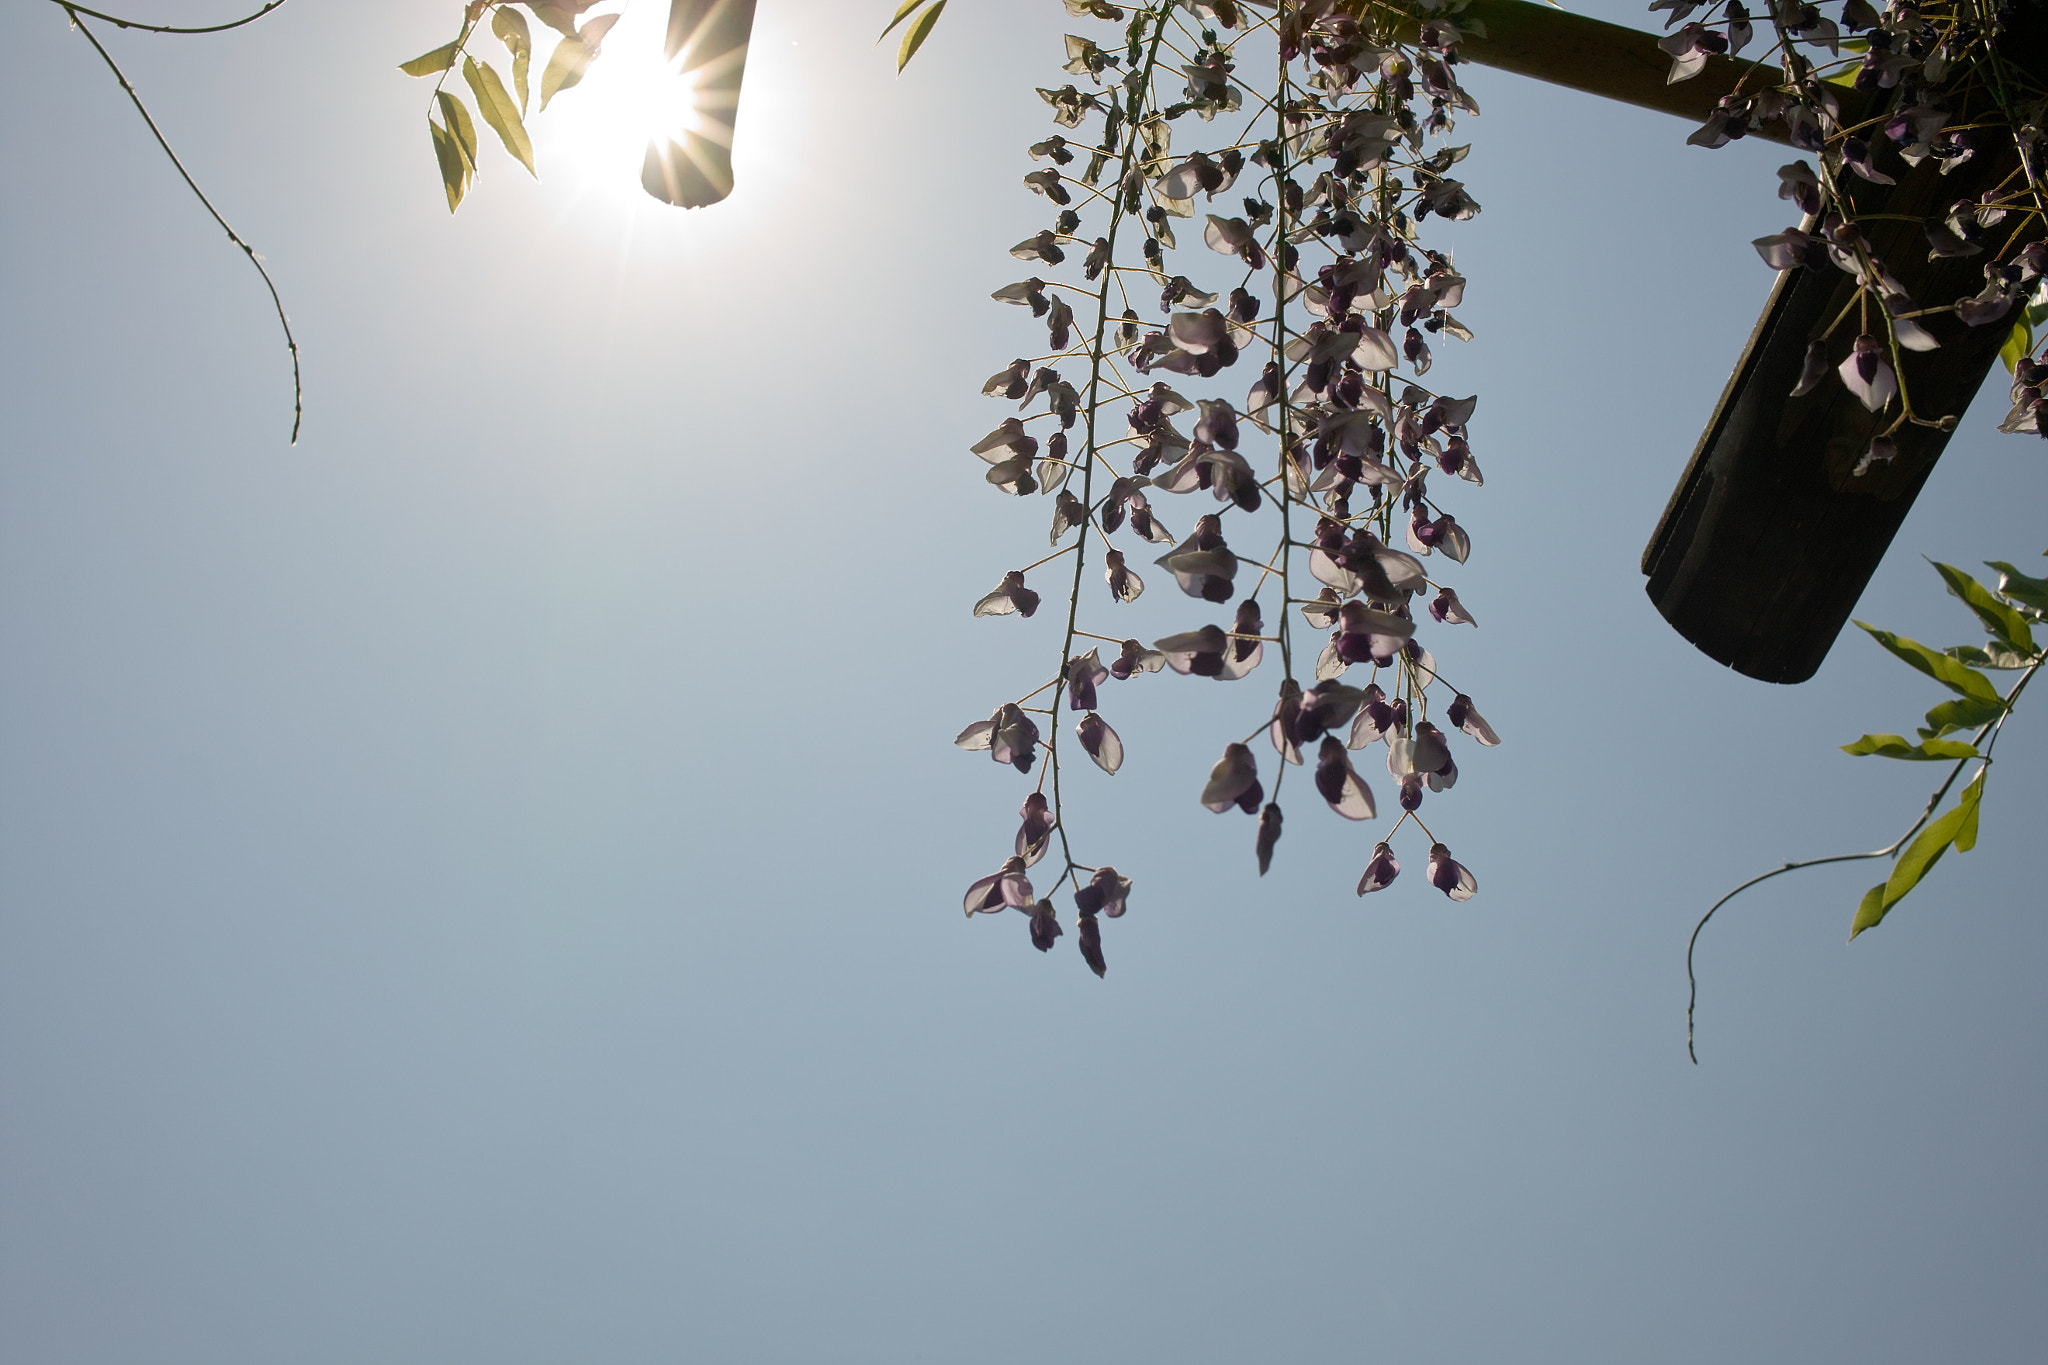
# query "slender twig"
(1991, 729)
(119, 22)
(291, 343)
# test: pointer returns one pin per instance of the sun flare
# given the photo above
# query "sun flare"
(632, 96)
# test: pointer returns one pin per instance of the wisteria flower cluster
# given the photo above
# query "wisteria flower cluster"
(1867, 94)
(1274, 361)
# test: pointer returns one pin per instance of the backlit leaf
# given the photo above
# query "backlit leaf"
(2018, 344)
(455, 116)
(559, 15)
(902, 12)
(510, 26)
(1972, 798)
(494, 102)
(1895, 746)
(427, 63)
(1952, 673)
(1998, 618)
(2020, 588)
(914, 36)
(1963, 713)
(573, 56)
(454, 168)
(1998, 656)
(1869, 912)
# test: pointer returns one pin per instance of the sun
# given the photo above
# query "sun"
(633, 96)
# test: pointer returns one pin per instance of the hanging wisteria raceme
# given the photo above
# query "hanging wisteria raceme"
(1946, 80)
(1274, 361)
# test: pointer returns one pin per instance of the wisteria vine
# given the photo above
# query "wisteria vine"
(1346, 154)
(1940, 80)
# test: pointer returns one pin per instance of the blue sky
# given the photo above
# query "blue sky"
(483, 884)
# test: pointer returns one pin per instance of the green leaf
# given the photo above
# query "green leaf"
(494, 102)
(510, 26)
(1963, 713)
(455, 170)
(455, 114)
(1916, 862)
(2020, 588)
(902, 11)
(559, 15)
(1973, 796)
(1998, 656)
(919, 30)
(1998, 618)
(1952, 673)
(573, 56)
(427, 63)
(2017, 345)
(1895, 746)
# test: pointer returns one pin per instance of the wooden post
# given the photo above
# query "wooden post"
(698, 170)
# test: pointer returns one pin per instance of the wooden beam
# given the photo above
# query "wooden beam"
(1608, 60)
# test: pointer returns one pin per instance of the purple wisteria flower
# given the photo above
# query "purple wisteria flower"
(1135, 658)
(1882, 450)
(1045, 926)
(1380, 871)
(1105, 894)
(1124, 585)
(1010, 597)
(1234, 781)
(1463, 715)
(1100, 742)
(1067, 513)
(1992, 304)
(1036, 831)
(1448, 610)
(1340, 784)
(1369, 634)
(1449, 876)
(1009, 735)
(1083, 673)
(1801, 185)
(1008, 889)
(1689, 49)
(1814, 370)
(1378, 718)
(1790, 249)
(1867, 374)
(1856, 154)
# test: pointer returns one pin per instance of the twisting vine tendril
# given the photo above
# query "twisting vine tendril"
(290, 342)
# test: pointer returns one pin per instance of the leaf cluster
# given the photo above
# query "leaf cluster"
(2008, 614)
(503, 106)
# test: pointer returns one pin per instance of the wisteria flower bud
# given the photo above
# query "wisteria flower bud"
(1045, 926)
(1268, 837)
(1091, 945)
(1036, 831)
